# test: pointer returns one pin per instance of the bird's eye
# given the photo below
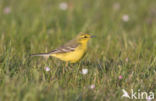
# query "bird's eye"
(85, 36)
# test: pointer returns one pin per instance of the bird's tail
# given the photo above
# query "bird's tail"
(41, 54)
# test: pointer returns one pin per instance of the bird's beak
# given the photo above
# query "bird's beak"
(93, 36)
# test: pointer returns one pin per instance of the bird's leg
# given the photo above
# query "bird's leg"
(66, 64)
(46, 57)
(63, 70)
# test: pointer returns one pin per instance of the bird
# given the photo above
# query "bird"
(72, 51)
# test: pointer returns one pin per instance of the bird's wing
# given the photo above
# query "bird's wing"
(68, 47)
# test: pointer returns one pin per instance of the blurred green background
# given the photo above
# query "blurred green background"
(122, 56)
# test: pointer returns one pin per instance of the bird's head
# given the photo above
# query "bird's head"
(84, 37)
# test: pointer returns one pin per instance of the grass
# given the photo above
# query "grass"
(121, 48)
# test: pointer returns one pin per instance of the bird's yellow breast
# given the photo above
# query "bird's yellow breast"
(72, 56)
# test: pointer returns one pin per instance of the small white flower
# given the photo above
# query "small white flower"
(84, 71)
(7, 10)
(63, 6)
(47, 69)
(149, 98)
(120, 77)
(116, 6)
(126, 59)
(125, 18)
(92, 86)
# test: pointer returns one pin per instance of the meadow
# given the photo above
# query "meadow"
(122, 56)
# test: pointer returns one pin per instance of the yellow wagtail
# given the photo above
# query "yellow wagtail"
(72, 51)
